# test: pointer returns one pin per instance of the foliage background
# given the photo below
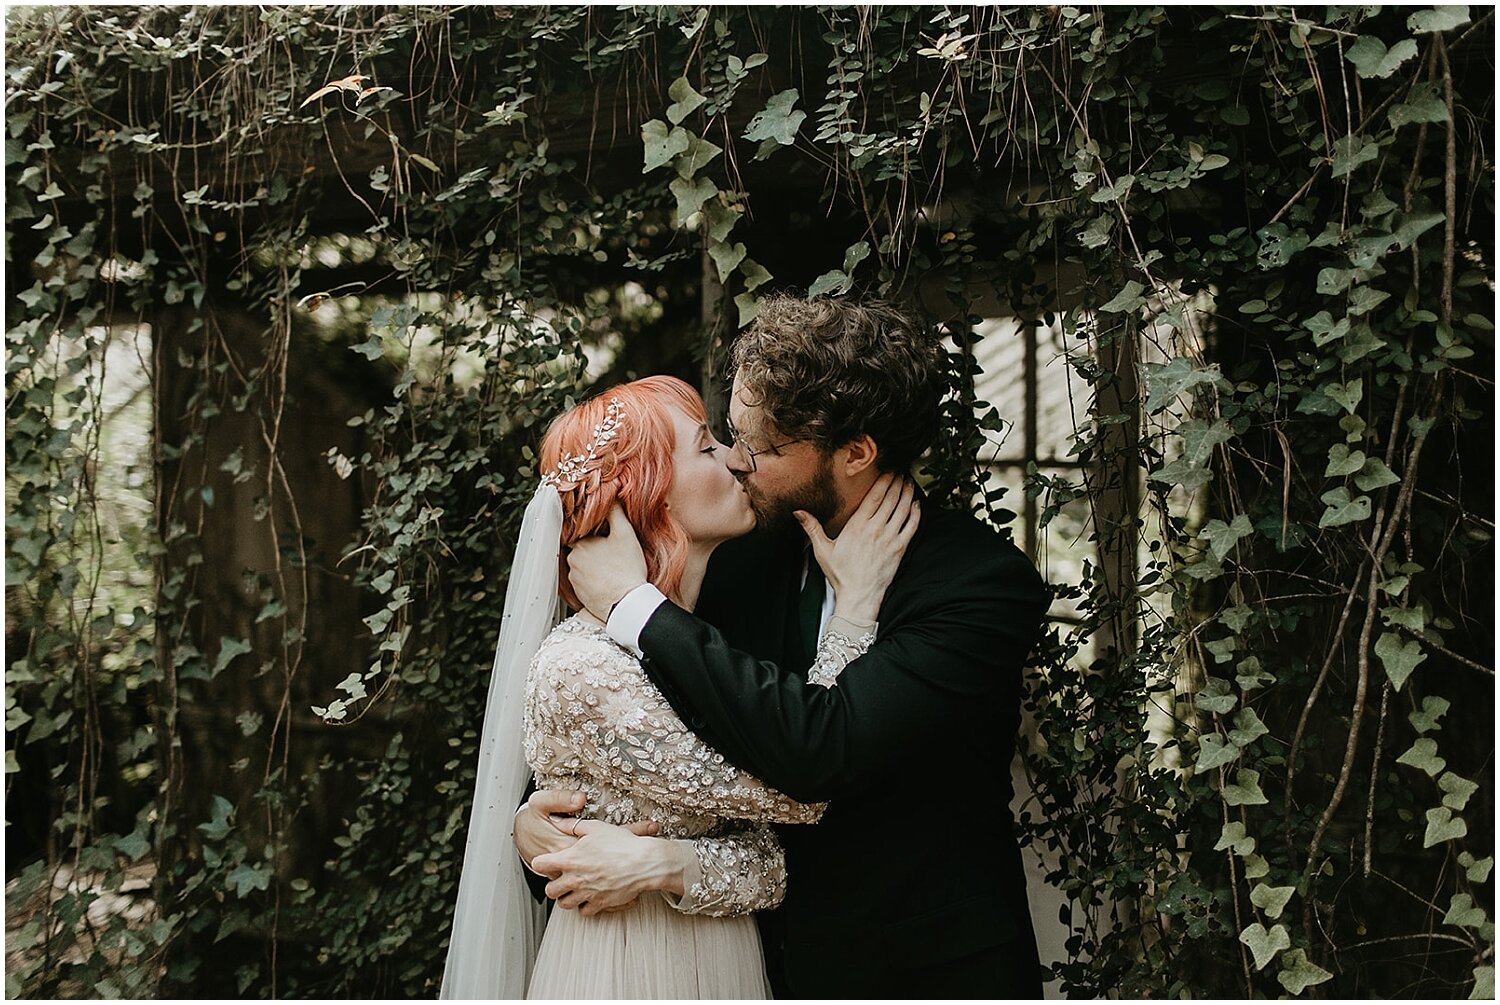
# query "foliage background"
(275, 368)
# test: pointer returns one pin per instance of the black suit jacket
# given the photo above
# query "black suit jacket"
(919, 734)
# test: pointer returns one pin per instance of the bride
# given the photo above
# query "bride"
(587, 718)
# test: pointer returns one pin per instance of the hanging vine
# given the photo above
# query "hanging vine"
(295, 288)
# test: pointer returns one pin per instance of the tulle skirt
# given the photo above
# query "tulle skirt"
(649, 951)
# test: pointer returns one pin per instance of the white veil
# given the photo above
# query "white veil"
(497, 925)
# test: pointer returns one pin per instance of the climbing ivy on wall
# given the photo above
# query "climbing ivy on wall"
(360, 255)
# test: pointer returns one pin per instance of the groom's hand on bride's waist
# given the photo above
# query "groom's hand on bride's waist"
(605, 567)
(608, 868)
(546, 825)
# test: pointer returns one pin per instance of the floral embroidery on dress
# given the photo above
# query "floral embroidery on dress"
(836, 650)
(596, 723)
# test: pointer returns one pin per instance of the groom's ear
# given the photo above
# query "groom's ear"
(856, 456)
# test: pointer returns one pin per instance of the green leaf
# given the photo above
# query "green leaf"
(1374, 475)
(1347, 395)
(1215, 696)
(1096, 234)
(726, 258)
(1349, 152)
(721, 220)
(1372, 59)
(1297, 972)
(748, 305)
(1199, 440)
(1484, 984)
(1477, 870)
(353, 685)
(249, 722)
(247, 877)
(1423, 105)
(1442, 826)
(1278, 243)
(1245, 789)
(1236, 618)
(754, 274)
(1233, 837)
(685, 100)
(1324, 329)
(1410, 618)
(1456, 790)
(661, 145)
(1365, 299)
(1248, 728)
(1256, 867)
(1253, 307)
(228, 649)
(1414, 226)
(1424, 22)
(1342, 509)
(855, 254)
(1463, 913)
(1271, 899)
(698, 153)
(272, 609)
(1114, 193)
(1342, 461)
(1400, 658)
(1166, 382)
(1127, 300)
(1426, 718)
(1222, 536)
(371, 348)
(219, 812)
(1214, 752)
(1221, 649)
(1264, 945)
(1333, 281)
(1423, 754)
(133, 845)
(691, 195)
(778, 121)
(834, 282)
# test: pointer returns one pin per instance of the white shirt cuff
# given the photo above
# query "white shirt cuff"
(628, 619)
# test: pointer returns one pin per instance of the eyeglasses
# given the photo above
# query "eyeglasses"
(739, 444)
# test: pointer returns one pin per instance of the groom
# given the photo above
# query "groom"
(918, 733)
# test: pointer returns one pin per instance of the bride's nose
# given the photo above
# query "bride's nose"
(737, 461)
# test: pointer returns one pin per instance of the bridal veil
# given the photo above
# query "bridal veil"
(497, 925)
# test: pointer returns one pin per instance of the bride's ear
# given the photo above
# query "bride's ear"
(857, 455)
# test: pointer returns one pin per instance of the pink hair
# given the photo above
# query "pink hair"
(634, 468)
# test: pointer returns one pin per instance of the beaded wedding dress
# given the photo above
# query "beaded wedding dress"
(594, 722)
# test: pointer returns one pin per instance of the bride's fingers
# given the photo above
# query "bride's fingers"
(907, 513)
(874, 496)
(913, 519)
(889, 502)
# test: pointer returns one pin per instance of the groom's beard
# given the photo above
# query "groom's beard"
(773, 514)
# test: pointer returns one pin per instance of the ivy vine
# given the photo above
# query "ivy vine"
(295, 288)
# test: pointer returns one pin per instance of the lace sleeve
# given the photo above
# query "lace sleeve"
(737, 872)
(843, 642)
(595, 706)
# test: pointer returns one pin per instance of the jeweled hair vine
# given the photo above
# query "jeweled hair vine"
(574, 469)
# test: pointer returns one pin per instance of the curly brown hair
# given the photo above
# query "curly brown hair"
(830, 370)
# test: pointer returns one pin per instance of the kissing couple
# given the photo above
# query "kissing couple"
(750, 749)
